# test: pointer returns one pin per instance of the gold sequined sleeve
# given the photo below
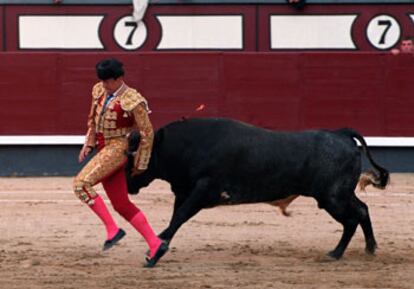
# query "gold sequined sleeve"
(90, 139)
(146, 131)
(90, 134)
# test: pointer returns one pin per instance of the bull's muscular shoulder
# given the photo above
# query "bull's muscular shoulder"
(130, 99)
(98, 90)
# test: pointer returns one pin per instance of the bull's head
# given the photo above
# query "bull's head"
(136, 182)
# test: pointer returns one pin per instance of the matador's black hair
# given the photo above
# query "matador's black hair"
(109, 68)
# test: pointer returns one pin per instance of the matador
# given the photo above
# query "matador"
(116, 110)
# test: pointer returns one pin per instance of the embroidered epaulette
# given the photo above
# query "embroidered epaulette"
(130, 99)
(98, 90)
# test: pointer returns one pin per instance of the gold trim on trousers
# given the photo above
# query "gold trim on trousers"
(110, 158)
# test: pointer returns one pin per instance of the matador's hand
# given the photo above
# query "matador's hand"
(136, 171)
(86, 150)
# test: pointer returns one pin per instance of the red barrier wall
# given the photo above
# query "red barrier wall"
(49, 93)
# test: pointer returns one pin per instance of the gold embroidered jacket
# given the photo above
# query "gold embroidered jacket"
(127, 111)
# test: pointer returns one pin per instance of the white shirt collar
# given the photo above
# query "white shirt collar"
(119, 89)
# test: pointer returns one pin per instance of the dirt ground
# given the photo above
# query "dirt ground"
(48, 239)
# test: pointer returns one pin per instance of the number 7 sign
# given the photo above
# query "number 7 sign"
(383, 32)
(130, 34)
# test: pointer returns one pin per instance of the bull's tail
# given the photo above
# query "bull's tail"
(379, 177)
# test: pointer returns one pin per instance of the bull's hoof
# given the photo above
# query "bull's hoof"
(334, 255)
(151, 262)
(370, 249)
(112, 242)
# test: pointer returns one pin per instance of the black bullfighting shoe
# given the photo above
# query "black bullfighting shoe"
(162, 249)
(112, 242)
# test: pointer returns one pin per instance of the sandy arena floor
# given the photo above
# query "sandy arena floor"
(50, 240)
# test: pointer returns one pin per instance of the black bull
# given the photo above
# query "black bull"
(211, 162)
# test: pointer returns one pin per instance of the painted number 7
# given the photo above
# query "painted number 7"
(383, 31)
(129, 34)
(134, 26)
(387, 24)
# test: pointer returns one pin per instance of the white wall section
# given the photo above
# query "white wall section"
(59, 32)
(201, 32)
(311, 31)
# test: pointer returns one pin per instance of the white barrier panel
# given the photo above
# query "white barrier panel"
(311, 31)
(79, 139)
(42, 139)
(201, 32)
(59, 32)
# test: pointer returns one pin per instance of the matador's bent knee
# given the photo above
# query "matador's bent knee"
(84, 191)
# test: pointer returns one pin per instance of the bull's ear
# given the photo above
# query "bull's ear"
(133, 141)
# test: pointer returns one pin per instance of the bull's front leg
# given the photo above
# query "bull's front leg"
(179, 200)
(203, 195)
